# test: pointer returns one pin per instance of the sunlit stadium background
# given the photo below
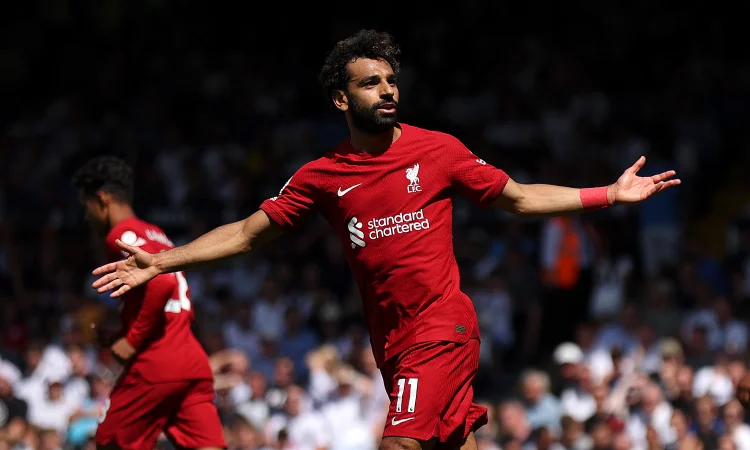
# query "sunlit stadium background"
(216, 104)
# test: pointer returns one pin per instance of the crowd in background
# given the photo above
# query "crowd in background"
(641, 349)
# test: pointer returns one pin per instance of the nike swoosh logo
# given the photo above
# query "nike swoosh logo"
(343, 193)
(395, 422)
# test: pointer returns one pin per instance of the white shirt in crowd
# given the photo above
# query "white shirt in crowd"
(719, 386)
(637, 424)
(307, 431)
(347, 416)
(741, 437)
(577, 404)
(45, 413)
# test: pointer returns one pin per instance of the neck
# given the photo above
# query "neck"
(373, 143)
(119, 212)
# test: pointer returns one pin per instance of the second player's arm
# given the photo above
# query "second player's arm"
(544, 199)
(220, 243)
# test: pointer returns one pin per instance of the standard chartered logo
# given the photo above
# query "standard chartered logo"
(355, 233)
(400, 223)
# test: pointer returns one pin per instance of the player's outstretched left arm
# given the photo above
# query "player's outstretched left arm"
(549, 200)
(222, 242)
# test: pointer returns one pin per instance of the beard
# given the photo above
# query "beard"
(369, 119)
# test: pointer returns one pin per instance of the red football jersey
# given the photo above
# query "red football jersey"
(156, 317)
(393, 212)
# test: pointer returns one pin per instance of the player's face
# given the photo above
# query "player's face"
(371, 97)
(95, 213)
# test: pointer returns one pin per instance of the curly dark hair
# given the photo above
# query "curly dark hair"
(105, 173)
(368, 44)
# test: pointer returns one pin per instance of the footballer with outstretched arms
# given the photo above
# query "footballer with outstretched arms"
(387, 191)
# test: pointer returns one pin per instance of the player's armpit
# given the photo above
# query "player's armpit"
(259, 229)
(510, 198)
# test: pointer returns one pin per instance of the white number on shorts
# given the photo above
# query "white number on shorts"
(183, 302)
(412, 394)
(104, 411)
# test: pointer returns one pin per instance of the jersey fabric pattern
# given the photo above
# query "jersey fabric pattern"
(393, 213)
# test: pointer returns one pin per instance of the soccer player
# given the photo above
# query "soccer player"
(388, 192)
(167, 383)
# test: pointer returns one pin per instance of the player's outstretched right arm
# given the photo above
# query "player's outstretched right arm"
(223, 242)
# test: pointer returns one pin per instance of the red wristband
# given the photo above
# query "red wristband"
(594, 198)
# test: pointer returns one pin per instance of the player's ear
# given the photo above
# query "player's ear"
(340, 100)
(103, 198)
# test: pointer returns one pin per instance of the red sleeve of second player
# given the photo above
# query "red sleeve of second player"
(113, 252)
(155, 297)
(297, 199)
(472, 177)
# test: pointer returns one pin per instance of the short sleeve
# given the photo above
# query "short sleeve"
(297, 199)
(470, 175)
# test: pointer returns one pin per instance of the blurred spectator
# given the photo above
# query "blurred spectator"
(299, 340)
(568, 358)
(296, 427)
(566, 264)
(577, 401)
(51, 410)
(651, 412)
(91, 409)
(603, 413)
(611, 276)
(542, 408)
(246, 437)
(714, 381)
(344, 412)
(515, 429)
(707, 425)
(494, 307)
(239, 332)
(255, 409)
(733, 416)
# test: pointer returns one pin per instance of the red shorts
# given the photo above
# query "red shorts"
(138, 412)
(431, 392)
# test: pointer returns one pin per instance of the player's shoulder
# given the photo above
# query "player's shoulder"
(424, 135)
(435, 144)
(319, 170)
(139, 233)
(312, 175)
(127, 231)
(318, 165)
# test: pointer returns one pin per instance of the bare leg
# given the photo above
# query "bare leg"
(179, 447)
(398, 443)
(401, 443)
(470, 443)
(110, 446)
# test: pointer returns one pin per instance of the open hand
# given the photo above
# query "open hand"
(630, 188)
(124, 275)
